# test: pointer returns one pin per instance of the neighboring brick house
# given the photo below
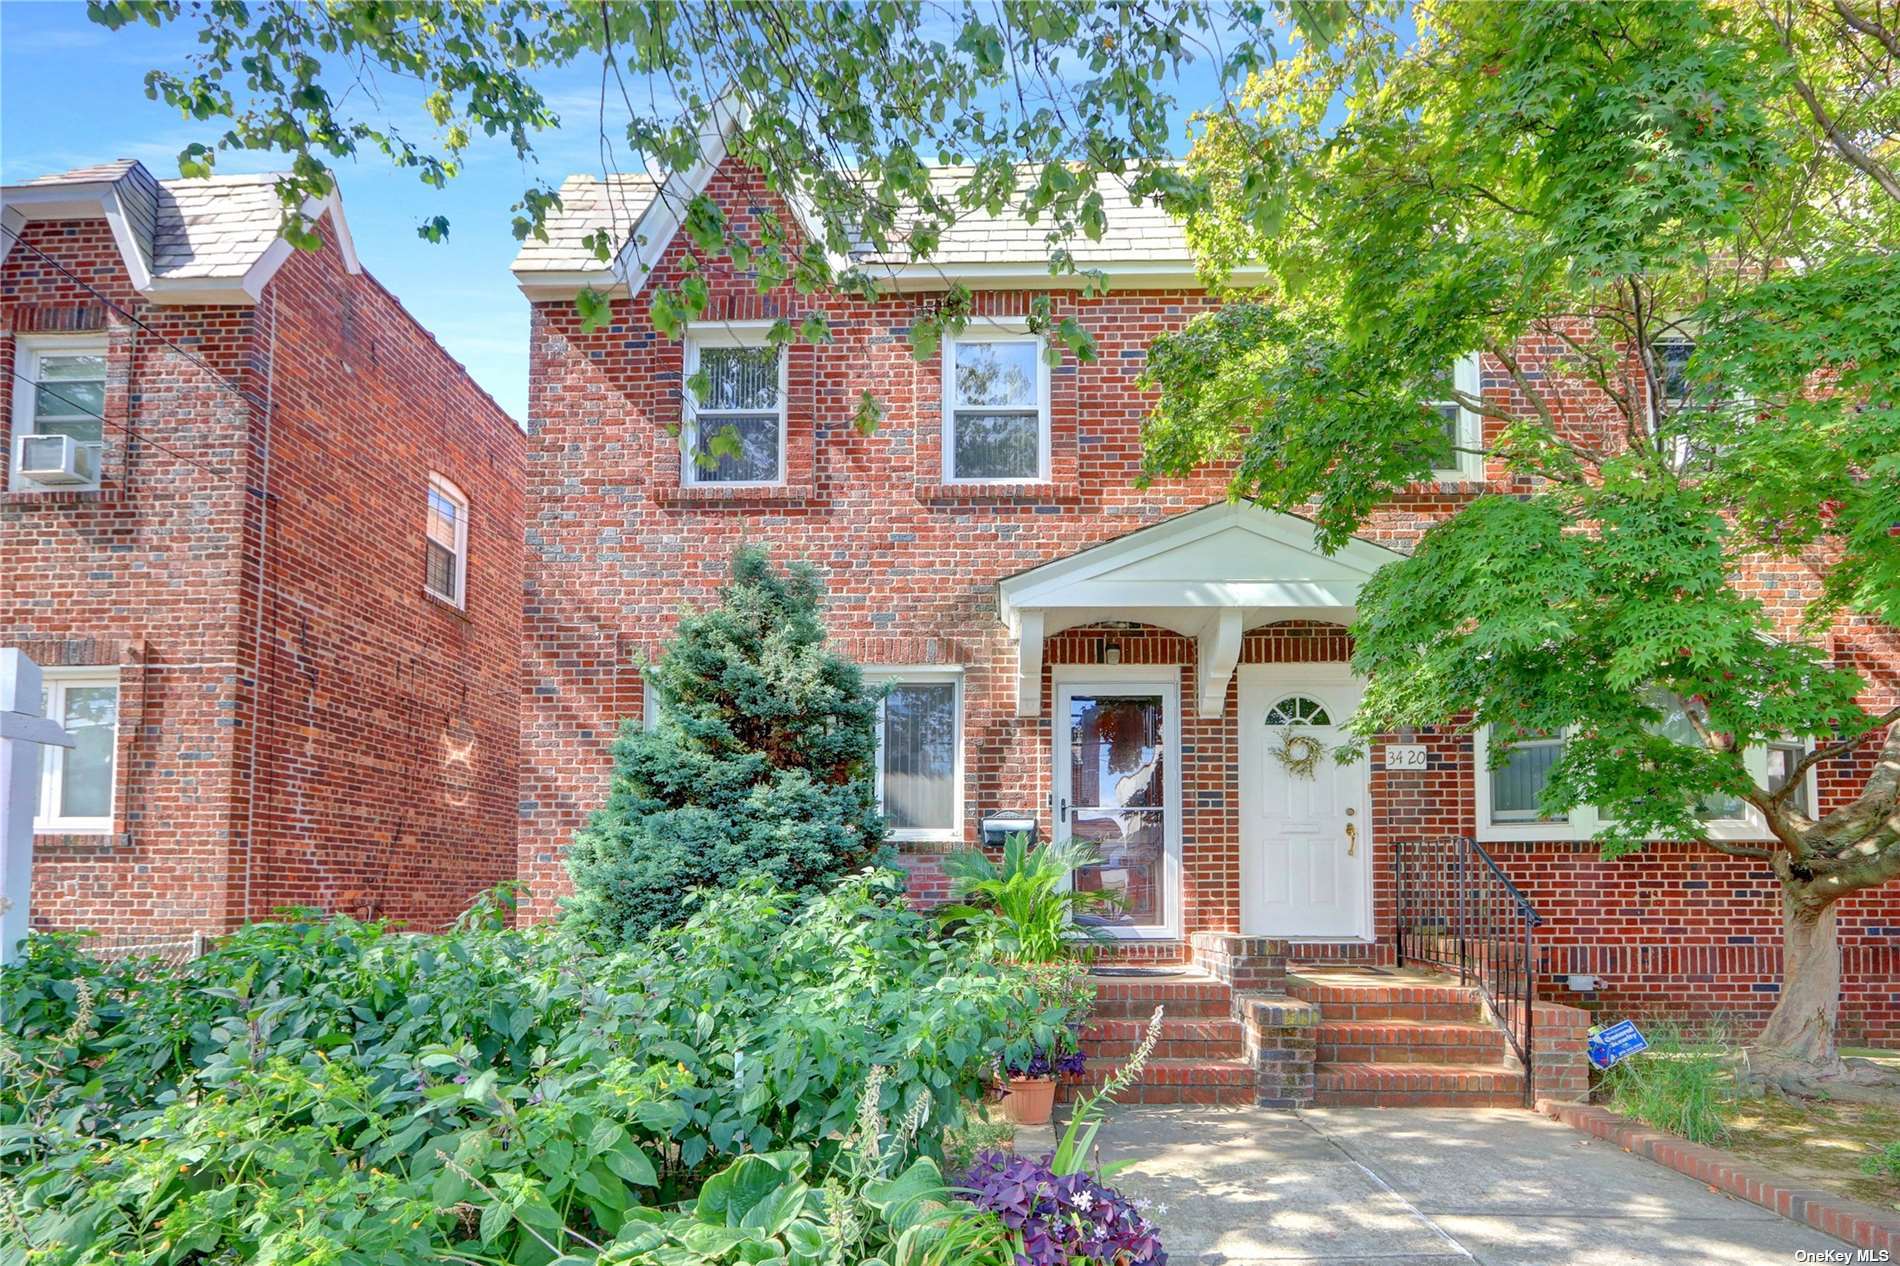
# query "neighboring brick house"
(263, 534)
(1108, 659)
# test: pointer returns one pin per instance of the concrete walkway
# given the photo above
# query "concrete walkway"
(1423, 1187)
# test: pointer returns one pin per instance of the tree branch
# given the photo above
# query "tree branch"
(1843, 144)
(1839, 748)
(1868, 27)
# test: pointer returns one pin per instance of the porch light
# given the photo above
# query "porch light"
(1111, 653)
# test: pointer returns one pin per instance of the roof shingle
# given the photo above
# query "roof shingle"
(1133, 233)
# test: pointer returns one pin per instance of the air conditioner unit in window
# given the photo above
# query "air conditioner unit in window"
(57, 459)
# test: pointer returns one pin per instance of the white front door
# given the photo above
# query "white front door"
(1305, 832)
(1117, 784)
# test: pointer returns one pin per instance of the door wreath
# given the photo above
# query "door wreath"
(1299, 753)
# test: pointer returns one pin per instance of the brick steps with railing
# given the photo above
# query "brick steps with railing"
(1404, 1040)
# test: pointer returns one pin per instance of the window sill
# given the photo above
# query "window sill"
(738, 496)
(51, 496)
(924, 837)
(926, 848)
(454, 609)
(1562, 833)
(1045, 491)
(69, 839)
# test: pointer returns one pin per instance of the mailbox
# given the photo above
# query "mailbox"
(999, 826)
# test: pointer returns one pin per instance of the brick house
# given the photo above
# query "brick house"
(263, 534)
(1112, 661)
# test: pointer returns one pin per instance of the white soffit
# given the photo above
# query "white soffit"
(1209, 574)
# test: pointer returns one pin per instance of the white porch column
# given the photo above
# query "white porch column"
(1218, 651)
(1028, 630)
(23, 733)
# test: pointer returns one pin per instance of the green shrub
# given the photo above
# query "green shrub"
(761, 764)
(1884, 1163)
(1681, 1084)
(335, 1091)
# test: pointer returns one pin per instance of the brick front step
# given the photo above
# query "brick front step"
(1115, 1040)
(1184, 997)
(1442, 1004)
(1416, 1086)
(1174, 1081)
(1406, 1042)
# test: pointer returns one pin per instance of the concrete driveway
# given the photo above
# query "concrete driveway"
(1423, 1187)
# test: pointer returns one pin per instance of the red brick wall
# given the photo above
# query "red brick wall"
(616, 546)
(368, 693)
(389, 719)
(142, 573)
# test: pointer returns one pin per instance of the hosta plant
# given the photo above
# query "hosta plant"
(328, 1090)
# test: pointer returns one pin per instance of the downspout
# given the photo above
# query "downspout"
(257, 617)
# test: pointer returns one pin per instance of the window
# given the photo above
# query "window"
(59, 390)
(1508, 795)
(1298, 710)
(1672, 355)
(446, 550)
(1518, 784)
(1456, 456)
(76, 786)
(996, 407)
(1782, 759)
(735, 420)
(1677, 727)
(920, 754)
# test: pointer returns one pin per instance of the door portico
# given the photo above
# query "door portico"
(1292, 855)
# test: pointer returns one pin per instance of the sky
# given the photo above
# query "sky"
(72, 93)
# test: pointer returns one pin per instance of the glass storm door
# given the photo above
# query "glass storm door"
(1116, 786)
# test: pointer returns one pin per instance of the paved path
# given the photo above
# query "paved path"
(1424, 1187)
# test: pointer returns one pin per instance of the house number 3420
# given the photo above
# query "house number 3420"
(1404, 756)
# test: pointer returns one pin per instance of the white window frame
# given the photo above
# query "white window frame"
(995, 330)
(1810, 784)
(56, 682)
(1469, 468)
(28, 350)
(1585, 820)
(443, 485)
(748, 334)
(923, 675)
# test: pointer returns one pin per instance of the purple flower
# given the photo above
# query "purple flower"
(1062, 1218)
(1041, 1063)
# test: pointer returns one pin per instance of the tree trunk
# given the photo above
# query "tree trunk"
(1800, 1032)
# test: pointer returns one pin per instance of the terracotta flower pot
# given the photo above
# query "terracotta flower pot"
(1030, 1100)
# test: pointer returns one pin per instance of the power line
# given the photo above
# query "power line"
(82, 410)
(134, 318)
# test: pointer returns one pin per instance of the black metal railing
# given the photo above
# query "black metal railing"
(1459, 911)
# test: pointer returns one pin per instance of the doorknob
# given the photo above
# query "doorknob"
(1352, 840)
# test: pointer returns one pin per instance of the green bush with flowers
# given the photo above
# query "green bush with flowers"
(335, 1091)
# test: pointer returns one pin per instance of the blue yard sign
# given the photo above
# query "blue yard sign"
(1618, 1042)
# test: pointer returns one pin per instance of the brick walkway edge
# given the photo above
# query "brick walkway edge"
(1859, 1224)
